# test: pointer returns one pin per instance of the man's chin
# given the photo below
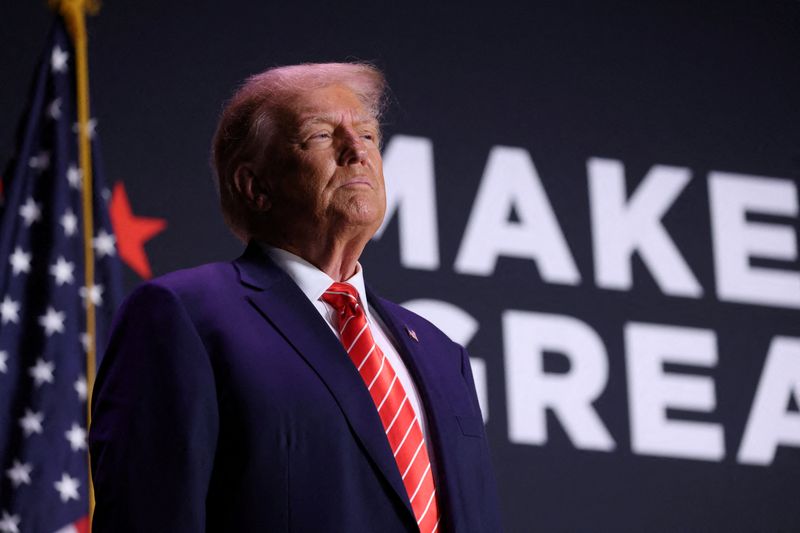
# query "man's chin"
(361, 215)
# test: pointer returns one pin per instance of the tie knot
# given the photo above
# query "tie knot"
(342, 297)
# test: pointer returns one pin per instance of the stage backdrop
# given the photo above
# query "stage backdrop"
(598, 199)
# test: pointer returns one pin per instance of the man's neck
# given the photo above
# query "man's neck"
(337, 261)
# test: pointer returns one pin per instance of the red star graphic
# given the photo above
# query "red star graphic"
(132, 231)
(82, 525)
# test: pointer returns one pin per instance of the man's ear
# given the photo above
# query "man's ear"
(251, 188)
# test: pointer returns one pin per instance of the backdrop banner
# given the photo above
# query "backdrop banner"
(598, 199)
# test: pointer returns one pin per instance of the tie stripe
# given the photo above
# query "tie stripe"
(408, 432)
(380, 405)
(358, 336)
(400, 422)
(370, 352)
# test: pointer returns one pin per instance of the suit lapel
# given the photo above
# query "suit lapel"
(427, 377)
(424, 372)
(281, 302)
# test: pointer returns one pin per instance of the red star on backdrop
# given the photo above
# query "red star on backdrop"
(132, 231)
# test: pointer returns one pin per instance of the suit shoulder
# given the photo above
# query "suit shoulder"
(189, 288)
(189, 280)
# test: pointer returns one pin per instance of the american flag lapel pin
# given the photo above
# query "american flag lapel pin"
(412, 334)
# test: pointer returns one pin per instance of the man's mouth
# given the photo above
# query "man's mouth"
(357, 181)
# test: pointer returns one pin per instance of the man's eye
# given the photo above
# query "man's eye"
(321, 135)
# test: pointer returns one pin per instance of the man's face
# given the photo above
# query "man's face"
(327, 176)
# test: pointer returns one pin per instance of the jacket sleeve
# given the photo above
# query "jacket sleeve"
(154, 420)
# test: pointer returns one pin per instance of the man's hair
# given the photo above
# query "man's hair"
(248, 123)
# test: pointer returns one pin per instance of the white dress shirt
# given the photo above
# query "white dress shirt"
(313, 283)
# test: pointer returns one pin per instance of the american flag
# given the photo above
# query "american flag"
(43, 339)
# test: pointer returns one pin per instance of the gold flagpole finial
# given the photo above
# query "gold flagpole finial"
(74, 13)
(89, 7)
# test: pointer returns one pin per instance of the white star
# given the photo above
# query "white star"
(95, 294)
(31, 423)
(54, 109)
(3, 359)
(80, 388)
(30, 211)
(20, 473)
(106, 194)
(58, 59)
(63, 271)
(20, 261)
(52, 321)
(70, 222)
(9, 311)
(42, 372)
(74, 177)
(76, 437)
(9, 523)
(67, 487)
(104, 244)
(86, 340)
(91, 127)
(40, 162)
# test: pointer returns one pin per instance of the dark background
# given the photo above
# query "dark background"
(703, 85)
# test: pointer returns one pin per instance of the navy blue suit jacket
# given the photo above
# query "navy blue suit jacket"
(225, 403)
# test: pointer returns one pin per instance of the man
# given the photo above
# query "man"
(276, 392)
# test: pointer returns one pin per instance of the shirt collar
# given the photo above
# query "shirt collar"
(312, 281)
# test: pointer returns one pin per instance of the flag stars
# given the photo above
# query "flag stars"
(91, 127)
(76, 437)
(40, 162)
(86, 341)
(94, 293)
(74, 177)
(104, 244)
(9, 523)
(63, 271)
(30, 212)
(20, 473)
(42, 372)
(69, 222)
(9, 310)
(67, 488)
(58, 59)
(81, 388)
(31, 423)
(52, 321)
(20, 261)
(54, 109)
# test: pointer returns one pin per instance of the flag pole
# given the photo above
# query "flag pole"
(74, 14)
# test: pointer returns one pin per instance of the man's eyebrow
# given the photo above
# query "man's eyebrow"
(332, 118)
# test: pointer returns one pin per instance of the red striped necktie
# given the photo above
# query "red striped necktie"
(400, 422)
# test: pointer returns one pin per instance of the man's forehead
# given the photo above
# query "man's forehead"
(332, 103)
(357, 116)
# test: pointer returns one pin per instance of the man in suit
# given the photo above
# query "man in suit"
(277, 392)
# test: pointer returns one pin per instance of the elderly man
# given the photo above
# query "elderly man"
(277, 392)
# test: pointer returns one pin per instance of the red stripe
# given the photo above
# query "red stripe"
(430, 521)
(398, 421)
(82, 525)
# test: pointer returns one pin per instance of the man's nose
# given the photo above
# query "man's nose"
(353, 149)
